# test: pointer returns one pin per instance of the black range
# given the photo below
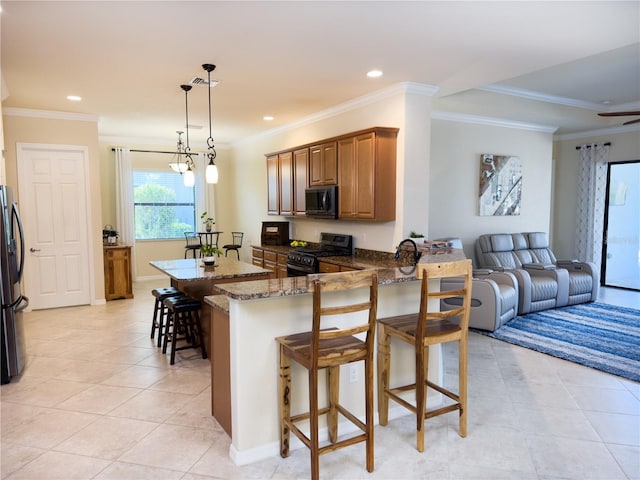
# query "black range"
(305, 260)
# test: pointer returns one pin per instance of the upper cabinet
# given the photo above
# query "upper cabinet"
(286, 182)
(323, 164)
(367, 175)
(300, 179)
(362, 164)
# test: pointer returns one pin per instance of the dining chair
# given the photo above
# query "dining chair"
(194, 242)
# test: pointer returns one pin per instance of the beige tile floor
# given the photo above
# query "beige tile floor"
(98, 400)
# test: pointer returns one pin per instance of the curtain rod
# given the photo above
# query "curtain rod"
(147, 151)
(606, 144)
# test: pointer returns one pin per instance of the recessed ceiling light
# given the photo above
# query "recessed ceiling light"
(374, 73)
(74, 98)
(268, 118)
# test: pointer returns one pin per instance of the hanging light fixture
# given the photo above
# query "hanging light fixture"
(189, 177)
(178, 165)
(211, 173)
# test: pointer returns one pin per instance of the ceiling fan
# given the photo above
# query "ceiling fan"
(623, 114)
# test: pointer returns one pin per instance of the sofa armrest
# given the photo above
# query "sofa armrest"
(584, 267)
(539, 266)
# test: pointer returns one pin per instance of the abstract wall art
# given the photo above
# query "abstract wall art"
(500, 184)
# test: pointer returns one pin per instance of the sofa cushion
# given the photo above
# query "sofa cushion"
(538, 240)
(519, 241)
(501, 243)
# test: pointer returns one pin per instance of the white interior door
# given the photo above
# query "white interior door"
(53, 206)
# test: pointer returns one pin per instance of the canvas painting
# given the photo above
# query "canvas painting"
(500, 184)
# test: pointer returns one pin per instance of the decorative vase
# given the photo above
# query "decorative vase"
(207, 227)
(209, 261)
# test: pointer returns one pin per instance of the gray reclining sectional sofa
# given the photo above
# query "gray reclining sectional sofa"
(543, 281)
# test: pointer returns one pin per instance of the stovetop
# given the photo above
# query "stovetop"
(331, 244)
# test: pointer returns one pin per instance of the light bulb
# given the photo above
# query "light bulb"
(211, 173)
(189, 178)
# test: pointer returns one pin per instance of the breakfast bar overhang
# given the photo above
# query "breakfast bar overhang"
(248, 317)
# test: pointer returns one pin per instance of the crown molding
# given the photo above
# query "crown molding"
(50, 115)
(358, 102)
(600, 131)
(543, 97)
(494, 122)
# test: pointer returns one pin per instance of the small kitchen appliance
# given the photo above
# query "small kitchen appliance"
(275, 233)
(109, 235)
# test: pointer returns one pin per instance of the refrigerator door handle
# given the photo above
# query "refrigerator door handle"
(23, 303)
(14, 210)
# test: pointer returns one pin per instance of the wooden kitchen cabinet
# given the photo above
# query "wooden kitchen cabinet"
(300, 180)
(117, 272)
(362, 164)
(271, 260)
(367, 175)
(286, 182)
(273, 188)
(323, 164)
(328, 267)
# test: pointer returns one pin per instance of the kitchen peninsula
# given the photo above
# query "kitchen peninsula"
(193, 278)
(248, 317)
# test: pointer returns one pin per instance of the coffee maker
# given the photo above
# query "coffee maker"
(109, 236)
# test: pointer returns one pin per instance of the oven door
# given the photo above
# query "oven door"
(298, 270)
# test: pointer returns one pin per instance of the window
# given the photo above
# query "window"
(163, 207)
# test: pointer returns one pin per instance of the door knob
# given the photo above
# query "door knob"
(33, 250)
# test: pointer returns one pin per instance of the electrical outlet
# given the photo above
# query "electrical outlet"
(353, 373)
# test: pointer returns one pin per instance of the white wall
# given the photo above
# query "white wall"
(454, 180)
(624, 146)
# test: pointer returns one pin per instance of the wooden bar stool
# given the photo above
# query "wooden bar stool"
(328, 349)
(159, 310)
(428, 327)
(183, 323)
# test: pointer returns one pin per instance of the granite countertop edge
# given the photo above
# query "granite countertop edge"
(281, 287)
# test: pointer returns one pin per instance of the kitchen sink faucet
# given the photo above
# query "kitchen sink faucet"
(416, 253)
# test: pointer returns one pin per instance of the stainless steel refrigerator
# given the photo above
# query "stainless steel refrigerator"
(12, 301)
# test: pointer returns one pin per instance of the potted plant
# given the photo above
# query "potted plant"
(208, 251)
(208, 221)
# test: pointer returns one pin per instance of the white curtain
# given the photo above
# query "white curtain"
(124, 201)
(592, 186)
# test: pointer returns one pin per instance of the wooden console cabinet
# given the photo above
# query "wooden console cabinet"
(117, 272)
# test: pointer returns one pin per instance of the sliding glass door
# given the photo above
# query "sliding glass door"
(621, 243)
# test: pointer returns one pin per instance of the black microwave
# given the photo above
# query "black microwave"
(321, 202)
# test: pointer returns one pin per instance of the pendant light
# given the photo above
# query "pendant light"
(189, 177)
(211, 173)
(178, 166)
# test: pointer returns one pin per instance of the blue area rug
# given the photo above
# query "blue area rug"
(600, 336)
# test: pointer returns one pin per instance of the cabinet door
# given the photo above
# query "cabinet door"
(273, 191)
(323, 164)
(300, 181)
(357, 176)
(365, 171)
(285, 170)
(326, 267)
(346, 187)
(117, 273)
(330, 163)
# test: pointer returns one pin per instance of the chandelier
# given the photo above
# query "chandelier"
(178, 165)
